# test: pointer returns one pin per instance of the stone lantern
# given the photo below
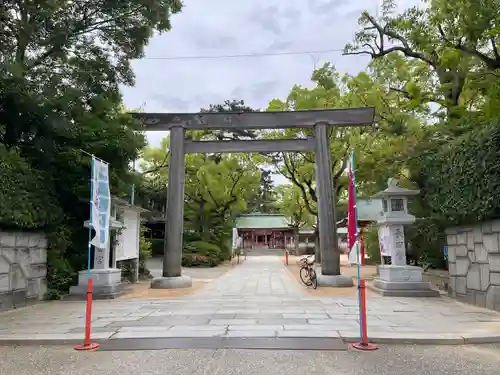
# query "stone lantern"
(397, 279)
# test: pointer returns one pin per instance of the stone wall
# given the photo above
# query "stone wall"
(23, 268)
(474, 264)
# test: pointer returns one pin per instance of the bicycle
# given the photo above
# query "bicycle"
(307, 272)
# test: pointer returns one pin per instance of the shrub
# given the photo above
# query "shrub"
(26, 194)
(226, 248)
(60, 273)
(201, 254)
(145, 251)
(426, 241)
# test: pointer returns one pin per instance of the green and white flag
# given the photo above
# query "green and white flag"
(101, 203)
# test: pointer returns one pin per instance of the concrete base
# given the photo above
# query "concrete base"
(107, 284)
(402, 281)
(178, 282)
(79, 292)
(400, 273)
(402, 285)
(336, 281)
(404, 290)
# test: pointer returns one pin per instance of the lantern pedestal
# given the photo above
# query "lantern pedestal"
(402, 281)
(107, 284)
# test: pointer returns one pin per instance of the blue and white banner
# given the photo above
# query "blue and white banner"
(101, 203)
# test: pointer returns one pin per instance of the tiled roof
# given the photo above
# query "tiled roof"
(262, 221)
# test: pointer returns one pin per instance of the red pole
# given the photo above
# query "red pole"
(88, 313)
(87, 345)
(364, 335)
(286, 257)
(363, 344)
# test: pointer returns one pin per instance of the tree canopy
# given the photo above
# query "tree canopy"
(61, 64)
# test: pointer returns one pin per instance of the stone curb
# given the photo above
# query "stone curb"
(418, 338)
(347, 337)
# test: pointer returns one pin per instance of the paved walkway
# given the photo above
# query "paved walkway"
(258, 298)
(256, 277)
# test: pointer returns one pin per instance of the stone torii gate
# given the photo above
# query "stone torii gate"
(318, 120)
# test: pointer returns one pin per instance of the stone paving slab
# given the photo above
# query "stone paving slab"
(390, 320)
(265, 311)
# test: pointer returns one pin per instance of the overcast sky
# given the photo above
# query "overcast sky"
(229, 27)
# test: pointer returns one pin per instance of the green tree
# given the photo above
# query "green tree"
(233, 106)
(217, 188)
(379, 152)
(61, 64)
(443, 72)
(265, 201)
(471, 28)
(291, 204)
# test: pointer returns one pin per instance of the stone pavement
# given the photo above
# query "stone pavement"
(257, 276)
(258, 298)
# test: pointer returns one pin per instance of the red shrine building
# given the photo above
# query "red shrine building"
(274, 231)
(265, 230)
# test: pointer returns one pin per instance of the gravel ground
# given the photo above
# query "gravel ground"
(388, 360)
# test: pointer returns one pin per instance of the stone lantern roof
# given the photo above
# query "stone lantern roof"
(395, 204)
(393, 190)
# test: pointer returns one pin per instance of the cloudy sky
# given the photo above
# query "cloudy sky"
(229, 27)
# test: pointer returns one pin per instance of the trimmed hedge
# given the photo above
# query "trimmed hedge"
(461, 182)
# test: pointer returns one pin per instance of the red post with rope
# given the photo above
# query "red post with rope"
(363, 343)
(286, 257)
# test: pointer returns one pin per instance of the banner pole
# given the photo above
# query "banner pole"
(356, 241)
(87, 345)
(363, 336)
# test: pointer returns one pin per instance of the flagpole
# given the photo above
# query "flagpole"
(87, 345)
(363, 336)
(356, 242)
(356, 217)
(89, 245)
